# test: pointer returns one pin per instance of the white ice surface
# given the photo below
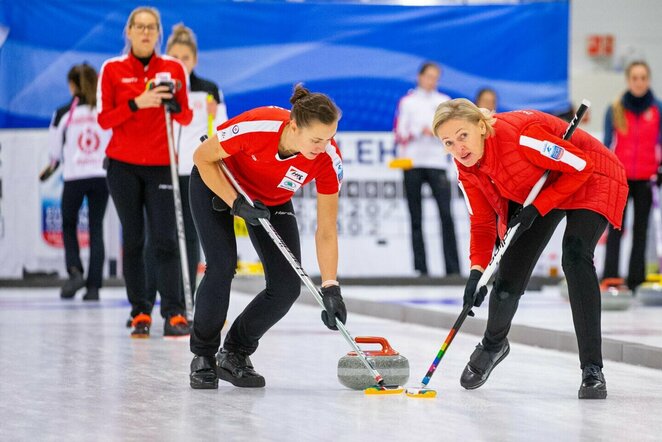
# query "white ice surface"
(69, 371)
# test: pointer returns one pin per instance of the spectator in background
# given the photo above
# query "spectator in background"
(138, 172)
(209, 111)
(632, 131)
(487, 98)
(429, 164)
(77, 141)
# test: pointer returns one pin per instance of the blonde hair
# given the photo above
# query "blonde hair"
(618, 111)
(129, 23)
(183, 35)
(463, 109)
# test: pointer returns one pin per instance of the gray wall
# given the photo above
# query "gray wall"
(637, 29)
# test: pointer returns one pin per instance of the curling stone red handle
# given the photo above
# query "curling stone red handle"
(386, 350)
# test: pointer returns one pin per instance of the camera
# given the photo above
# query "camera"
(164, 79)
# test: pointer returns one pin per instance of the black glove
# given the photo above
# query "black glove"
(524, 217)
(470, 291)
(49, 170)
(334, 307)
(251, 214)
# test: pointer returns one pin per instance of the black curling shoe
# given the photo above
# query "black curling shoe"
(237, 369)
(481, 363)
(92, 294)
(203, 373)
(75, 282)
(593, 383)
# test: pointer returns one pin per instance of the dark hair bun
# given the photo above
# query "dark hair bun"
(299, 93)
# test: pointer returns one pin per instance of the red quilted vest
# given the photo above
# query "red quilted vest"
(506, 172)
(636, 147)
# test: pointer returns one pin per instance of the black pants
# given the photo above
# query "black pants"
(192, 246)
(96, 191)
(441, 191)
(283, 286)
(582, 233)
(640, 192)
(139, 192)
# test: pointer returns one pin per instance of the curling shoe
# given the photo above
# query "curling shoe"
(176, 326)
(237, 369)
(92, 294)
(203, 373)
(481, 363)
(593, 383)
(141, 324)
(73, 284)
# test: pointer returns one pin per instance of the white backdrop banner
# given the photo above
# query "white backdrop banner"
(30, 217)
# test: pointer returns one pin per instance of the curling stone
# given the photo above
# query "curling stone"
(650, 292)
(393, 367)
(615, 294)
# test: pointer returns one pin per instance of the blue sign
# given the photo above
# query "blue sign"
(364, 56)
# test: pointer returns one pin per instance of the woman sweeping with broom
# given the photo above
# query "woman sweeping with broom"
(272, 152)
(500, 158)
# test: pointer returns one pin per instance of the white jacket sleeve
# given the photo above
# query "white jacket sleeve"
(56, 138)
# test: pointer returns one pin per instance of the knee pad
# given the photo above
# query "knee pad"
(504, 289)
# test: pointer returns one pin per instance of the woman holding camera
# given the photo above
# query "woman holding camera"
(133, 89)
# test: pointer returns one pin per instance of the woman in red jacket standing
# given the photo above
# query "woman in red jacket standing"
(499, 159)
(131, 93)
(633, 126)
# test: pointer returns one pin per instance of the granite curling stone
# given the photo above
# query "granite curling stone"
(393, 367)
(615, 294)
(650, 292)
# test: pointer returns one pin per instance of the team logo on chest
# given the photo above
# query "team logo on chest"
(293, 179)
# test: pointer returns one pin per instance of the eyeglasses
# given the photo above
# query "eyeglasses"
(140, 27)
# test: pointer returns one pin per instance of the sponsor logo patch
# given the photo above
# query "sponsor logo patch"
(235, 129)
(551, 150)
(288, 184)
(296, 175)
(130, 80)
(337, 167)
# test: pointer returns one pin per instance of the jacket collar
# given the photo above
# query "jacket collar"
(137, 62)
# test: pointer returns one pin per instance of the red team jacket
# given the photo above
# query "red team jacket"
(585, 175)
(138, 137)
(251, 139)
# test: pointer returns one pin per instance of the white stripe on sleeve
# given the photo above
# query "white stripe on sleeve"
(553, 152)
(247, 127)
(337, 163)
(466, 198)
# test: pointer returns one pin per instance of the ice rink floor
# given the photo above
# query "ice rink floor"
(71, 372)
